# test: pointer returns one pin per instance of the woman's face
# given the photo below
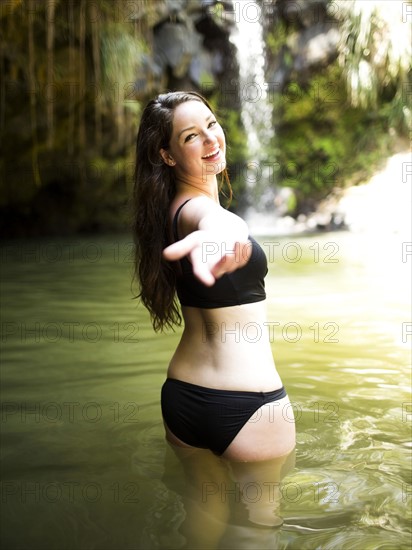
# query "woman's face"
(197, 146)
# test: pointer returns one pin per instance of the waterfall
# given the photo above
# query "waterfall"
(256, 116)
(256, 110)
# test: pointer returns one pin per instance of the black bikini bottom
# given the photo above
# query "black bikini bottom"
(209, 418)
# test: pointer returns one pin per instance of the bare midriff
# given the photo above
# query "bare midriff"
(226, 348)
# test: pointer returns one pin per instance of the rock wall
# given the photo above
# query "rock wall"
(191, 47)
(308, 37)
(74, 86)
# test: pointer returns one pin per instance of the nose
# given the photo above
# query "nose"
(209, 137)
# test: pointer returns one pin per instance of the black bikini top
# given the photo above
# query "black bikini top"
(246, 285)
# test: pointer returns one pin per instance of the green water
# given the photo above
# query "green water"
(84, 461)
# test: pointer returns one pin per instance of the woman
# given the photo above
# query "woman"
(222, 390)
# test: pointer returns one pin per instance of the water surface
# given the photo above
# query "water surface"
(84, 461)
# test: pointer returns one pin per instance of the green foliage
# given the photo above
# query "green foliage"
(122, 55)
(375, 51)
(67, 134)
(236, 151)
(322, 142)
(276, 40)
(335, 123)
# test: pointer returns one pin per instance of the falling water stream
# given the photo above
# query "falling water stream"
(261, 215)
(256, 110)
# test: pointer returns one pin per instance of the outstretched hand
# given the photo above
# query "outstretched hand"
(210, 257)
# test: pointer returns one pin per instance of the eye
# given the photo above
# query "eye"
(189, 137)
(212, 123)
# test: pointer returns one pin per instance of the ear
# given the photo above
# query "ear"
(167, 158)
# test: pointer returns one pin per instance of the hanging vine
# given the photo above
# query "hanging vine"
(95, 30)
(71, 98)
(51, 5)
(82, 74)
(33, 96)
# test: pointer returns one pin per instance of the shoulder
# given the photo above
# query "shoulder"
(204, 213)
(193, 204)
(187, 212)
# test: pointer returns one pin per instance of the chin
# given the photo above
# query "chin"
(221, 166)
(213, 168)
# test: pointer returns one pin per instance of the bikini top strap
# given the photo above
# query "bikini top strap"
(175, 219)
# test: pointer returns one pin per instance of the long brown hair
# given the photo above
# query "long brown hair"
(154, 189)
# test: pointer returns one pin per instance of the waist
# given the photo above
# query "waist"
(241, 314)
(237, 366)
(226, 347)
(231, 380)
(244, 326)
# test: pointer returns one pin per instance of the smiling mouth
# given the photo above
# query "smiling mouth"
(212, 155)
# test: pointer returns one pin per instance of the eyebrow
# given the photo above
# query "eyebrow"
(192, 127)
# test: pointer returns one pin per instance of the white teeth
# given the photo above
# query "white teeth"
(211, 154)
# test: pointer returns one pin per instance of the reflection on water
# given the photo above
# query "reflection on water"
(227, 504)
(84, 460)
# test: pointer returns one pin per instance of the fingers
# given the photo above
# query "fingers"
(201, 269)
(208, 267)
(182, 248)
(221, 267)
(192, 246)
(233, 260)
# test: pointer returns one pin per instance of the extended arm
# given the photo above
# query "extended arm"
(216, 240)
